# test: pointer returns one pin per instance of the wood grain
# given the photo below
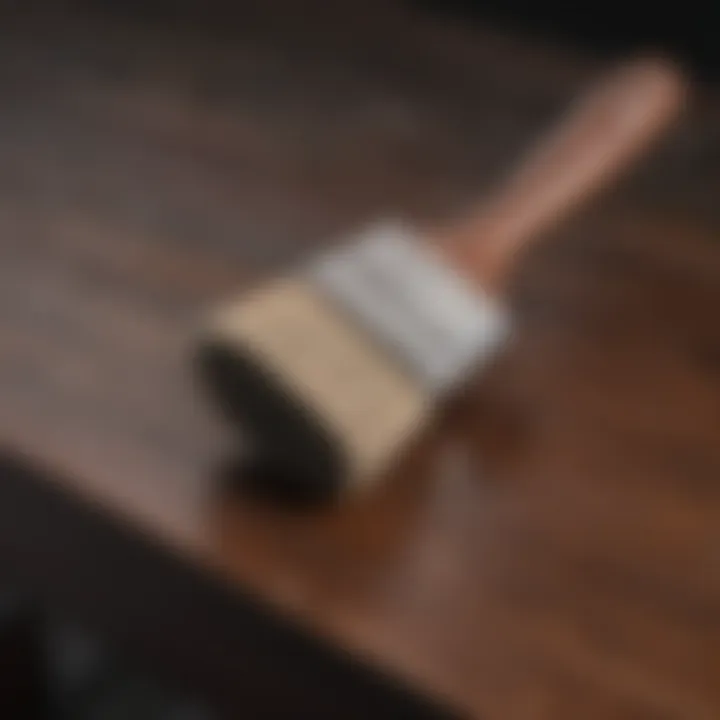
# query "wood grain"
(551, 550)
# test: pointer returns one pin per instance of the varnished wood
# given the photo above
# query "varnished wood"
(551, 549)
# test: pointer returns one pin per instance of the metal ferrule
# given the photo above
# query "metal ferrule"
(407, 298)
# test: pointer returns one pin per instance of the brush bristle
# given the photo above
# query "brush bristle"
(316, 367)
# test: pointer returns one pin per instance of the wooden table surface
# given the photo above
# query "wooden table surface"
(552, 550)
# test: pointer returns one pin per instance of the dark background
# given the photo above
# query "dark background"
(688, 30)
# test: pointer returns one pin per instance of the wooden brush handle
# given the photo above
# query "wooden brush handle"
(605, 131)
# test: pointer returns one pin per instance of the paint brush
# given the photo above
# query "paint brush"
(332, 370)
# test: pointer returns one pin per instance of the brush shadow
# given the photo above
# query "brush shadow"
(267, 482)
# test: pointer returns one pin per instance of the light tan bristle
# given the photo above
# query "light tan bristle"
(353, 385)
